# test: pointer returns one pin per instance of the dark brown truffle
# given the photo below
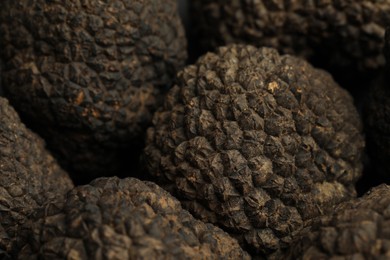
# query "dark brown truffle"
(358, 229)
(256, 143)
(343, 34)
(89, 74)
(125, 219)
(29, 176)
(377, 119)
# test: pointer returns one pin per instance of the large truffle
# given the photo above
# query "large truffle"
(338, 35)
(358, 229)
(89, 74)
(29, 176)
(125, 219)
(257, 143)
(377, 119)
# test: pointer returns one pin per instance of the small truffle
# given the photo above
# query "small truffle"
(256, 143)
(377, 120)
(358, 229)
(88, 75)
(125, 219)
(29, 176)
(337, 35)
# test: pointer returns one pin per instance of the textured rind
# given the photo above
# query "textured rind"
(29, 176)
(358, 229)
(256, 143)
(336, 34)
(125, 219)
(94, 70)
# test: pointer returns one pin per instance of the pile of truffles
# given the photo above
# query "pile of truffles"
(126, 134)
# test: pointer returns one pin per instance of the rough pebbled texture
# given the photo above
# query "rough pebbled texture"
(125, 219)
(377, 118)
(256, 143)
(94, 70)
(335, 34)
(358, 229)
(29, 176)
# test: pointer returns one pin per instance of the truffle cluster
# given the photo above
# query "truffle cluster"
(94, 70)
(358, 229)
(342, 34)
(29, 177)
(124, 219)
(257, 143)
(263, 149)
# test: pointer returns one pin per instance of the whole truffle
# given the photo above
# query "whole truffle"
(358, 229)
(256, 143)
(338, 35)
(88, 75)
(125, 219)
(29, 176)
(377, 119)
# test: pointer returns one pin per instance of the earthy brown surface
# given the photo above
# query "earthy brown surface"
(29, 176)
(342, 34)
(377, 119)
(358, 229)
(89, 74)
(125, 219)
(256, 143)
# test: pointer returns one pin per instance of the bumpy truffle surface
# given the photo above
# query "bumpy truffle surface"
(256, 142)
(377, 119)
(125, 219)
(29, 176)
(340, 34)
(359, 229)
(93, 69)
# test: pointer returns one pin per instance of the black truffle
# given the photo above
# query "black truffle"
(358, 229)
(89, 74)
(29, 176)
(338, 35)
(125, 219)
(256, 143)
(377, 120)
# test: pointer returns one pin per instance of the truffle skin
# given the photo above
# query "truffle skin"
(256, 143)
(377, 119)
(341, 34)
(358, 229)
(29, 176)
(125, 219)
(94, 70)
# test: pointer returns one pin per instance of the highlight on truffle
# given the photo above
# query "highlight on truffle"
(115, 218)
(29, 176)
(337, 35)
(257, 143)
(95, 71)
(358, 229)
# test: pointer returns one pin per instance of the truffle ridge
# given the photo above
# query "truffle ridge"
(341, 34)
(358, 229)
(125, 219)
(29, 177)
(95, 70)
(257, 143)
